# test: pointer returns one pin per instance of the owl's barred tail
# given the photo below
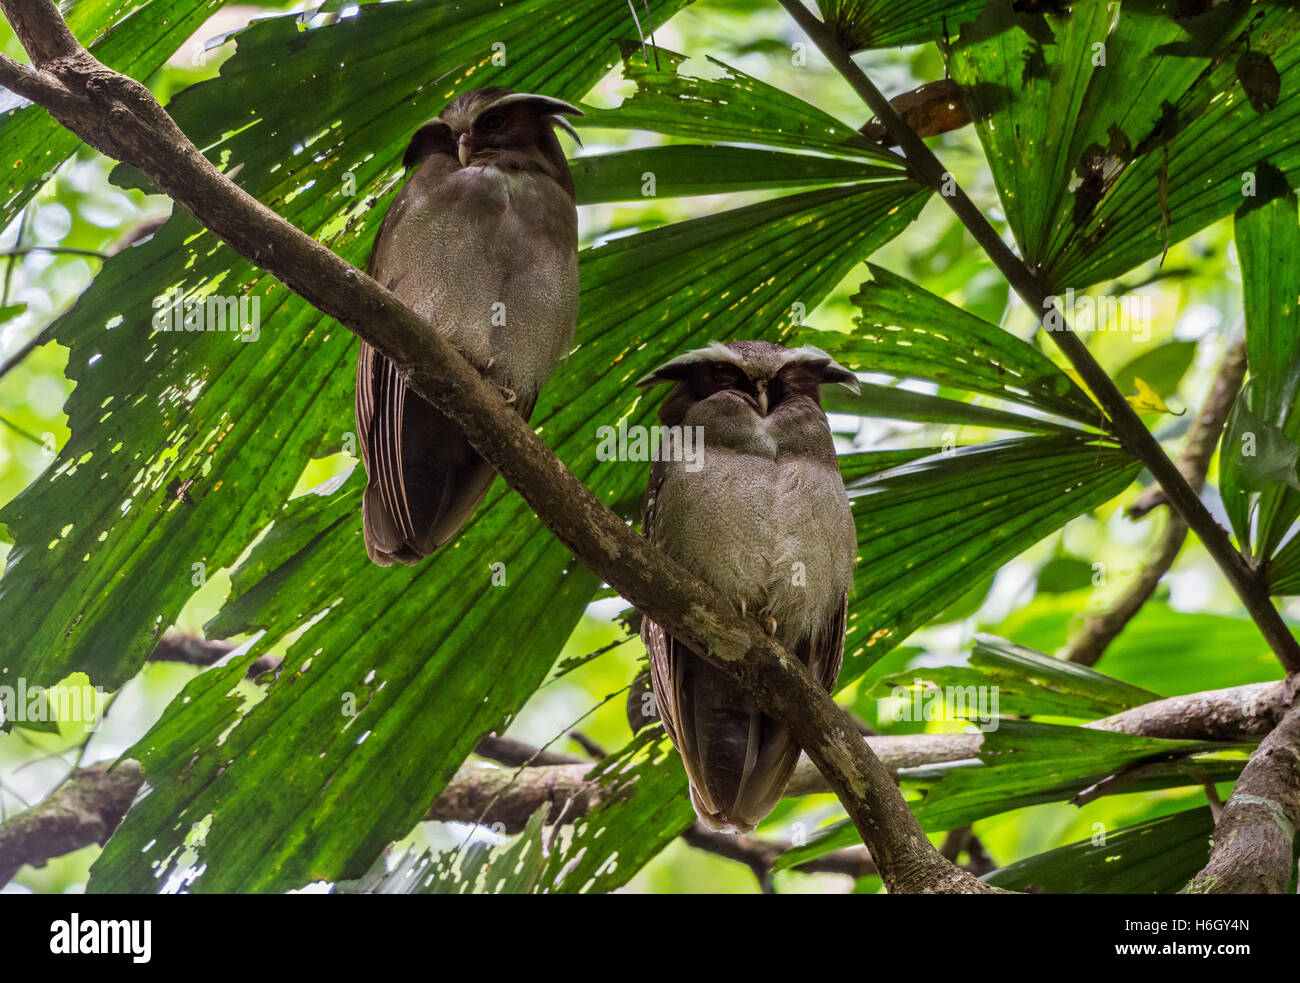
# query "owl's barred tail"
(762, 789)
(738, 759)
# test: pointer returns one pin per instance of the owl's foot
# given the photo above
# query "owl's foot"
(486, 372)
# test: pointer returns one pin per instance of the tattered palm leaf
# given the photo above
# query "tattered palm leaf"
(1113, 132)
(1158, 856)
(1261, 442)
(863, 24)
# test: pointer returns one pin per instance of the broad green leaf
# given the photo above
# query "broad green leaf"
(897, 403)
(907, 331)
(1109, 142)
(1207, 149)
(1163, 650)
(646, 809)
(1158, 856)
(1023, 763)
(1258, 473)
(1262, 438)
(1284, 569)
(930, 528)
(133, 39)
(1024, 77)
(1160, 368)
(479, 868)
(862, 463)
(863, 24)
(682, 170)
(735, 108)
(649, 808)
(1003, 679)
(1064, 573)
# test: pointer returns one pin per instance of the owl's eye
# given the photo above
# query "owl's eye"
(494, 122)
(724, 376)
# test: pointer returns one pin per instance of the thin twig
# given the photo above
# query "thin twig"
(1099, 630)
(61, 250)
(17, 357)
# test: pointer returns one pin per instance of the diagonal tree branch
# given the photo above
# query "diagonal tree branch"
(1088, 644)
(1124, 419)
(120, 117)
(1194, 461)
(86, 808)
(1254, 837)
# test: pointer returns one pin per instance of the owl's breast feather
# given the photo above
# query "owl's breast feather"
(770, 533)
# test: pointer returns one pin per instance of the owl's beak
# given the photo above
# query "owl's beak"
(463, 149)
(760, 387)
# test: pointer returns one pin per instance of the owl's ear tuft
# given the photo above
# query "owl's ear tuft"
(431, 138)
(835, 372)
(826, 368)
(542, 105)
(674, 371)
(681, 367)
(548, 107)
(566, 126)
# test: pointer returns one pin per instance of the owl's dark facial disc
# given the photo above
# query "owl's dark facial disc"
(764, 374)
(497, 119)
(797, 379)
(434, 137)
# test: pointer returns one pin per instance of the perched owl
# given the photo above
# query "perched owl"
(483, 243)
(764, 518)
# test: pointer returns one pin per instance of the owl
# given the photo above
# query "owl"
(762, 515)
(482, 242)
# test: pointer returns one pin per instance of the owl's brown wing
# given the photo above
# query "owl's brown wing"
(824, 654)
(664, 652)
(662, 649)
(425, 480)
(738, 759)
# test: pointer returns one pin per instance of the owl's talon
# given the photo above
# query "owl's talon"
(507, 394)
(770, 625)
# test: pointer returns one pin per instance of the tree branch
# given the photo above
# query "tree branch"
(84, 809)
(1254, 839)
(1087, 646)
(499, 795)
(759, 855)
(1240, 713)
(1130, 429)
(1194, 462)
(120, 117)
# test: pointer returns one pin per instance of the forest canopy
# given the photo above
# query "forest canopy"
(1057, 247)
